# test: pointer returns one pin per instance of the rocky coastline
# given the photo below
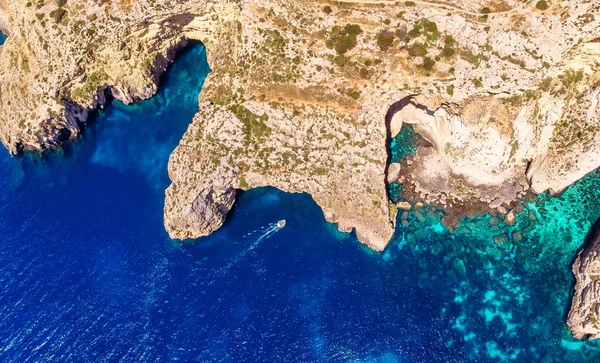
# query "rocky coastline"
(583, 315)
(306, 96)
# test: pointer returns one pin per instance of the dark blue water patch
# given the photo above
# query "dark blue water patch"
(2, 38)
(88, 272)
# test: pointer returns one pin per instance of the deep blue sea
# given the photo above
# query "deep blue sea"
(88, 273)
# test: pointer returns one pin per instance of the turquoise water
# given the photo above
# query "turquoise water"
(88, 273)
(400, 147)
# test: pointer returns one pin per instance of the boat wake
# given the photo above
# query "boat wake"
(266, 233)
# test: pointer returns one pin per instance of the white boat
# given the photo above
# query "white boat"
(281, 223)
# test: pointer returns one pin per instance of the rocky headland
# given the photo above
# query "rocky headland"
(306, 95)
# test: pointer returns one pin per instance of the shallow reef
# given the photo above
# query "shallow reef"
(508, 282)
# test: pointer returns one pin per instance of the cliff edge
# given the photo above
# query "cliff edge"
(585, 306)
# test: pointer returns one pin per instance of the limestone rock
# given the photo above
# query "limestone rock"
(585, 305)
(509, 218)
(404, 205)
(393, 172)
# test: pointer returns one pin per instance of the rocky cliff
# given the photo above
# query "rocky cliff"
(585, 306)
(305, 96)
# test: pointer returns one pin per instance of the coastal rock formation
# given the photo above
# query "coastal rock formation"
(306, 96)
(585, 306)
(61, 58)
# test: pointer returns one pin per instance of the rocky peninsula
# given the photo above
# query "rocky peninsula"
(306, 95)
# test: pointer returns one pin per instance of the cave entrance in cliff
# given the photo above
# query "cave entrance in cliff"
(398, 148)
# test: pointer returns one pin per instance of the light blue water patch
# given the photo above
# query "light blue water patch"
(518, 276)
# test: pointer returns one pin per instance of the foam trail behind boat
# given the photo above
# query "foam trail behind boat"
(268, 232)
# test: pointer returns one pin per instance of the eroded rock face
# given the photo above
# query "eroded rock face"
(58, 62)
(585, 306)
(299, 152)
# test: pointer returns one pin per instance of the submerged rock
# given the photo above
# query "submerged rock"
(509, 218)
(585, 306)
(404, 205)
(393, 172)
(459, 267)
(517, 236)
(501, 240)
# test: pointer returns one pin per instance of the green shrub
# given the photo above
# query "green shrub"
(327, 9)
(542, 5)
(353, 29)
(364, 72)
(448, 52)
(485, 10)
(354, 94)
(417, 50)
(410, 3)
(342, 40)
(428, 63)
(450, 90)
(58, 15)
(340, 61)
(61, 3)
(425, 27)
(385, 40)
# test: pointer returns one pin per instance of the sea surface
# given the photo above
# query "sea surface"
(88, 273)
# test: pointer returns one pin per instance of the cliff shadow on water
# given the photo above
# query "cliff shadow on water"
(590, 241)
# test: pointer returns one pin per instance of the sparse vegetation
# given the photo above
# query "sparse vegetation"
(343, 39)
(385, 40)
(92, 82)
(417, 50)
(254, 125)
(327, 9)
(448, 50)
(428, 63)
(58, 15)
(570, 78)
